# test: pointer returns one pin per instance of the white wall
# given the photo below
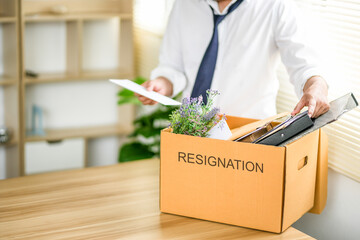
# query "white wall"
(74, 104)
(340, 219)
(101, 33)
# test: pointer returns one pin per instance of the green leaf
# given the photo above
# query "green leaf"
(132, 100)
(146, 120)
(140, 80)
(134, 151)
(148, 131)
(125, 93)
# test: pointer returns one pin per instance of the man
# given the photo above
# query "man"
(233, 46)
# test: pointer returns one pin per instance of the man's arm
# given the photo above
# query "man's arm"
(300, 59)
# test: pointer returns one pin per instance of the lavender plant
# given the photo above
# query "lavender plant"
(194, 117)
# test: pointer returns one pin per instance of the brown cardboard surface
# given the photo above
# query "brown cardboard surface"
(235, 122)
(244, 198)
(321, 175)
(268, 198)
(300, 183)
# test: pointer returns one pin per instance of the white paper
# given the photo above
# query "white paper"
(220, 131)
(132, 86)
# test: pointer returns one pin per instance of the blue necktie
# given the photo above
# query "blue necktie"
(207, 67)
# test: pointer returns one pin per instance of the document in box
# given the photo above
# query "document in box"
(128, 84)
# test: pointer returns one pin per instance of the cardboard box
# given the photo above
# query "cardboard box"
(249, 185)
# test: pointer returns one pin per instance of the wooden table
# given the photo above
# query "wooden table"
(115, 202)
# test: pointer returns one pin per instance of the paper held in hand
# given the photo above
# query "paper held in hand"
(130, 85)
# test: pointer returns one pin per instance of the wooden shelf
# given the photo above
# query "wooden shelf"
(107, 74)
(7, 19)
(52, 77)
(12, 142)
(88, 132)
(77, 16)
(5, 80)
(85, 76)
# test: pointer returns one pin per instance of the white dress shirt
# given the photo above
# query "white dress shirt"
(251, 38)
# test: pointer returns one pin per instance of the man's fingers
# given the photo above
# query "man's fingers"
(145, 84)
(318, 111)
(150, 102)
(144, 100)
(311, 107)
(314, 110)
(298, 107)
(149, 86)
(321, 108)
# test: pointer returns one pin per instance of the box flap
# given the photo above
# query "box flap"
(321, 175)
(235, 122)
(300, 175)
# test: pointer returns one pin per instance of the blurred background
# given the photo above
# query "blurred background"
(58, 111)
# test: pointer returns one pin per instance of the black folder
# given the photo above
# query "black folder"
(286, 130)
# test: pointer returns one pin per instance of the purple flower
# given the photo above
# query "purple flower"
(200, 100)
(211, 114)
(193, 100)
(186, 101)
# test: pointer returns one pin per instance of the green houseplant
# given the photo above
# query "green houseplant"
(144, 141)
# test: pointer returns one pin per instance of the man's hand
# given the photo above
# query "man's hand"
(314, 97)
(161, 85)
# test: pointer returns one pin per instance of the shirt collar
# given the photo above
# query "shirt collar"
(215, 6)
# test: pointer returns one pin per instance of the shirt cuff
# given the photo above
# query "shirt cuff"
(177, 78)
(299, 85)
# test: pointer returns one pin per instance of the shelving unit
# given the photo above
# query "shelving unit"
(10, 82)
(77, 64)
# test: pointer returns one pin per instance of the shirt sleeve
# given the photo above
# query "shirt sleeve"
(170, 57)
(296, 48)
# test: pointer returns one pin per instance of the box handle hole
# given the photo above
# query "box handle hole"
(302, 163)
